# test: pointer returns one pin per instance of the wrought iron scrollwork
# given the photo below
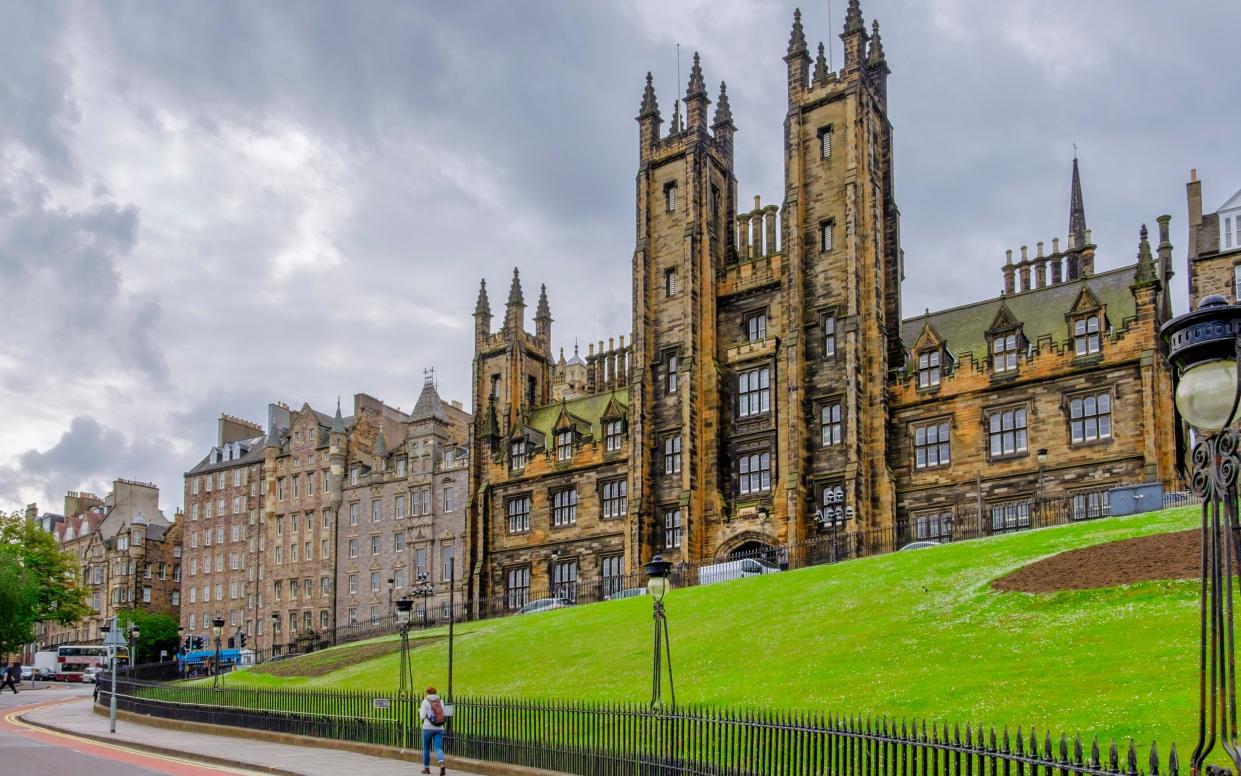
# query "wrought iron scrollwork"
(1216, 462)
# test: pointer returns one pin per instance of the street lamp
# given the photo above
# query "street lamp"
(404, 605)
(133, 644)
(1204, 347)
(658, 585)
(217, 627)
(275, 626)
(424, 590)
(112, 640)
(391, 585)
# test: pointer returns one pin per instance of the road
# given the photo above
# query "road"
(26, 750)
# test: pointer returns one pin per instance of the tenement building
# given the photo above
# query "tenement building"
(128, 553)
(223, 536)
(1214, 246)
(770, 388)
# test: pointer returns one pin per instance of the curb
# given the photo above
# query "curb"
(163, 750)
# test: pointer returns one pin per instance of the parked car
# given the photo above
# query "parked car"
(544, 604)
(90, 675)
(27, 673)
(45, 674)
(735, 569)
(632, 592)
(921, 545)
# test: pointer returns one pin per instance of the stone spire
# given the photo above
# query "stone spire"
(515, 297)
(543, 317)
(1077, 209)
(853, 18)
(723, 112)
(820, 67)
(697, 86)
(650, 107)
(797, 38)
(338, 423)
(515, 308)
(1146, 264)
(483, 306)
(876, 45)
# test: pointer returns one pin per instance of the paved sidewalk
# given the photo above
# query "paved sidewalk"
(78, 718)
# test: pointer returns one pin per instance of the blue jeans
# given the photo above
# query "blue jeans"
(430, 737)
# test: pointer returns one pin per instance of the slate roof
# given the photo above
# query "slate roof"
(1041, 312)
(587, 408)
(429, 405)
(253, 455)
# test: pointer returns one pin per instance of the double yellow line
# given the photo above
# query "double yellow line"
(14, 718)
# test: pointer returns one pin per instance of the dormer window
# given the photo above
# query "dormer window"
(613, 431)
(670, 197)
(564, 445)
(1004, 352)
(517, 455)
(1086, 335)
(1230, 233)
(928, 369)
(756, 327)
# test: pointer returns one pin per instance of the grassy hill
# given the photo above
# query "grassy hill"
(919, 634)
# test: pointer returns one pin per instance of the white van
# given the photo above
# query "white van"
(734, 569)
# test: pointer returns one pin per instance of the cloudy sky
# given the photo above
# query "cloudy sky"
(208, 206)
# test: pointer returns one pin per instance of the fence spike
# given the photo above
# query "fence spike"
(1077, 749)
(1094, 752)
(1113, 758)
(994, 746)
(1173, 762)
(1020, 746)
(1132, 760)
(1047, 745)
(969, 735)
(1007, 747)
(1153, 763)
(956, 733)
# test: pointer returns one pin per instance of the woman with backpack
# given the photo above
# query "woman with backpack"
(433, 720)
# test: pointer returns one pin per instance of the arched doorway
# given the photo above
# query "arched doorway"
(750, 544)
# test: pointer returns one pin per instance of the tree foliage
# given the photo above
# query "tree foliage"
(19, 596)
(156, 631)
(58, 596)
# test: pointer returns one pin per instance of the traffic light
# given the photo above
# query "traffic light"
(231, 643)
(198, 642)
(243, 639)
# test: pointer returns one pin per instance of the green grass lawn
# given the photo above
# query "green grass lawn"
(917, 634)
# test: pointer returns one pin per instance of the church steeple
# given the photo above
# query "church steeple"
(1077, 209)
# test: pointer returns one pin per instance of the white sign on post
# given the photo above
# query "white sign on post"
(381, 703)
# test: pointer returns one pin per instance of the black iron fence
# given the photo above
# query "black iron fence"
(611, 738)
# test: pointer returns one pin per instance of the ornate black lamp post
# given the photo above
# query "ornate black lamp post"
(658, 586)
(424, 589)
(133, 643)
(403, 606)
(217, 627)
(275, 626)
(1204, 346)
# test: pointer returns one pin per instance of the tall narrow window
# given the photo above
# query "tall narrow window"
(670, 282)
(1086, 335)
(825, 143)
(613, 570)
(670, 373)
(1004, 352)
(1236, 282)
(928, 369)
(756, 327)
(517, 587)
(518, 514)
(614, 498)
(672, 455)
(830, 425)
(1090, 417)
(672, 528)
(532, 390)
(829, 336)
(754, 392)
(670, 197)
(564, 577)
(564, 445)
(517, 455)
(825, 236)
(832, 505)
(564, 507)
(613, 433)
(932, 445)
(495, 387)
(1008, 432)
(754, 472)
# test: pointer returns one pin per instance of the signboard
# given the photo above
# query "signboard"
(381, 703)
(447, 709)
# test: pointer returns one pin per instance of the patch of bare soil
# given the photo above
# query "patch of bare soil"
(324, 663)
(1146, 558)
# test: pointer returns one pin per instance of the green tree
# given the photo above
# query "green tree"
(19, 596)
(156, 631)
(58, 597)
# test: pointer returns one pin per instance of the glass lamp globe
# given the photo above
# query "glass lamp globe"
(1206, 393)
(658, 587)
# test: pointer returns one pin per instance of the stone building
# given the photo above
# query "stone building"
(402, 510)
(129, 554)
(770, 387)
(223, 547)
(1214, 246)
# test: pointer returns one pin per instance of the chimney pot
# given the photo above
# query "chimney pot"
(1040, 249)
(1055, 245)
(1024, 253)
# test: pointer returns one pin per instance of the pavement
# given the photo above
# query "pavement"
(56, 731)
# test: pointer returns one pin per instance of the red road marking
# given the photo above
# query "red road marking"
(116, 752)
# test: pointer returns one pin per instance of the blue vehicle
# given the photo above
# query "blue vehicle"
(196, 660)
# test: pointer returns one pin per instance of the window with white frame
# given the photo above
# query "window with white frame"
(829, 336)
(672, 455)
(932, 444)
(933, 526)
(754, 471)
(671, 376)
(756, 327)
(613, 433)
(353, 548)
(612, 573)
(754, 392)
(1086, 335)
(1236, 282)
(564, 445)
(400, 506)
(517, 587)
(376, 510)
(564, 580)
(354, 510)
(672, 528)
(1008, 432)
(1004, 352)
(928, 368)
(831, 426)
(446, 496)
(564, 507)
(615, 498)
(1014, 514)
(1095, 503)
(518, 512)
(517, 455)
(1090, 417)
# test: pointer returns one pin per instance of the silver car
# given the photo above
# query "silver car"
(544, 604)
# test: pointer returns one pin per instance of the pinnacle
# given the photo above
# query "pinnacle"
(876, 45)
(797, 38)
(723, 112)
(853, 19)
(649, 105)
(697, 86)
(483, 307)
(1146, 264)
(515, 297)
(543, 312)
(338, 423)
(1077, 208)
(820, 66)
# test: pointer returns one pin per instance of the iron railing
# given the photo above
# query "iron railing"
(609, 739)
